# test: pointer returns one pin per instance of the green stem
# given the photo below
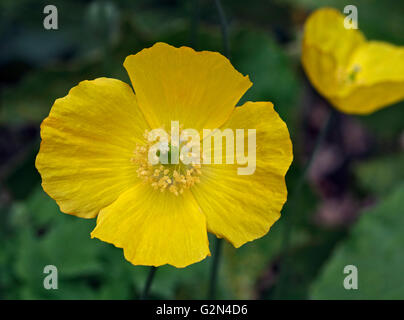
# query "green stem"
(289, 220)
(149, 282)
(223, 26)
(194, 24)
(215, 268)
(219, 242)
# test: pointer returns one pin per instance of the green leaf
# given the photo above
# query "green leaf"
(382, 174)
(269, 68)
(47, 237)
(375, 248)
(385, 124)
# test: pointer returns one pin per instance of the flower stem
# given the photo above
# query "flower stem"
(194, 24)
(223, 26)
(215, 268)
(219, 242)
(289, 221)
(148, 284)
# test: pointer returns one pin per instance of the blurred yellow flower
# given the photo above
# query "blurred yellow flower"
(357, 76)
(87, 161)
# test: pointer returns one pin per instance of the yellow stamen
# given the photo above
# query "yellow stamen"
(172, 177)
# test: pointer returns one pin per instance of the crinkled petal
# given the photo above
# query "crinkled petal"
(155, 228)
(242, 208)
(198, 89)
(356, 76)
(327, 47)
(377, 78)
(87, 145)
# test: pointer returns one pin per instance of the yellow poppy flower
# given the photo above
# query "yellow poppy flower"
(93, 154)
(357, 76)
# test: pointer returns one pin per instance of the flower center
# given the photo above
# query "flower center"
(353, 73)
(169, 172)
(350, 76)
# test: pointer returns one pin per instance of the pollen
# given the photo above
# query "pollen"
(170, 177)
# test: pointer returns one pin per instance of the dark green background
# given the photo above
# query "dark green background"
(350, 210)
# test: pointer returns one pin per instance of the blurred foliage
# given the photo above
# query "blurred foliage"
(374, 247)
(270, 69)
(94, 37)
(379, 176)
(391, 117)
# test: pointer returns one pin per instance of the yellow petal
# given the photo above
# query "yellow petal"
(356, 76)
(155, 228)
(327, 47)
(242, 208)
(87, 144)
(377, 70)
(198, 89)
